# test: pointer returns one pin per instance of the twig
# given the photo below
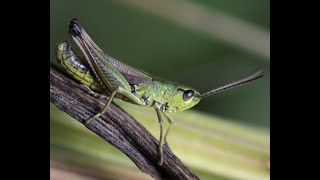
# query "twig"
(116, 127)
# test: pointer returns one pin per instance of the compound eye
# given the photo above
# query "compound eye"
(188, 94)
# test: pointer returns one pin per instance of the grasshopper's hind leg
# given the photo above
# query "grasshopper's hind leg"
(92, 93)
(105, 107)
(119, 90)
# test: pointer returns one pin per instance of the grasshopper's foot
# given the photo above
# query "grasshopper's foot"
(161, 161)
(90, 120)
(86, 122)
(161, 156)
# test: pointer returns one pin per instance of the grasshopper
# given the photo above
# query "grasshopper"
(105, 73)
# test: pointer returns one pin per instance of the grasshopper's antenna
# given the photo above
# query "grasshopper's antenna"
(258, 74)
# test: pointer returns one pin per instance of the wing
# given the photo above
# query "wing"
(133, 76)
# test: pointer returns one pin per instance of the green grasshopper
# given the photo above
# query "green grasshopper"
(105, 73)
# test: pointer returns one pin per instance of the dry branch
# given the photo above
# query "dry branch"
(116, 127)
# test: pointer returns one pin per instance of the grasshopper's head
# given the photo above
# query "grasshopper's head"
(183, 99)
(186, 97)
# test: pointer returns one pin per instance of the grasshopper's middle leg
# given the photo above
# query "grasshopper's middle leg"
(157, 107)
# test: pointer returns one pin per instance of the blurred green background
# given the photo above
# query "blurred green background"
(175, 52)
(200, 43)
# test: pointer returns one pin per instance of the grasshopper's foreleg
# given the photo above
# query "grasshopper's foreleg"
(170, 124)
(157, 107)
